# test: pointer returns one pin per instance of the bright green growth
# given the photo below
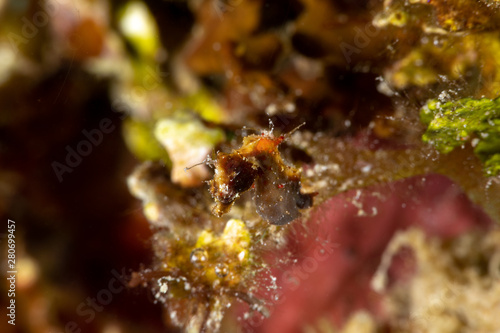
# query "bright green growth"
(139, 27)
(185, 133)
(204, 104)
(141, 141)
(452, 124)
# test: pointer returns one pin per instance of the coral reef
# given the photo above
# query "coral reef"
(257, 72)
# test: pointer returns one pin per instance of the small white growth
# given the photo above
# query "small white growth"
(366, 168)
(444, 96)
(384, 88)
(289, 107)
(271, 109)
(137, 22)
(161, 295)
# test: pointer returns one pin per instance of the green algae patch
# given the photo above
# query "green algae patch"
(452, 124)
(139, 28)
(142, 143)
(205, 105)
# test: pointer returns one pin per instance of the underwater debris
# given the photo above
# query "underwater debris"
(258, 163)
